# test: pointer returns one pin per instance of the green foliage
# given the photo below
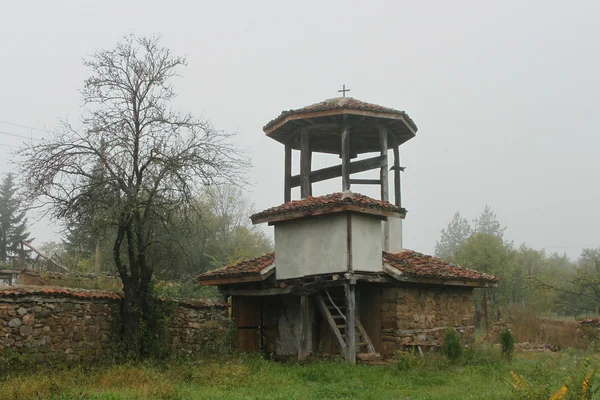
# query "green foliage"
(452, 348)
(507, 342)
(456, 233)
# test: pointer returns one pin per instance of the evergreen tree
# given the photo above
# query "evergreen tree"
(13, 224)
(456, 233)
(488, 224)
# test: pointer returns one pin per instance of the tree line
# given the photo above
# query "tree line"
(548, 283)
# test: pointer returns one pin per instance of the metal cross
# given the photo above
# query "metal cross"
(343, 91)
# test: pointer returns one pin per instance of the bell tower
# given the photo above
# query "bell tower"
(348, 128)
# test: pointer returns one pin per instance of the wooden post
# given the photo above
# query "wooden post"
(350, 323)
(397, 197)
(287, 183)
(346, 158)
(485, 310)
(305, 328)
(305, 159)
(383, 171)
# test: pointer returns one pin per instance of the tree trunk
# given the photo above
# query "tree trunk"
(132, 317)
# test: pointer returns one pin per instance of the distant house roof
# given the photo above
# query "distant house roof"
(418, 265)
(410, 265)
(341, 103)
(331, 203)
(49, 291)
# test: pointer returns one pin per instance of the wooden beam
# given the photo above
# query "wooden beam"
(336, 171)
(257, 292)
(287, 190)
(261, 276)
(365, 182)
(305, 160)
(305, 328)
(346, 158)
(350, 323)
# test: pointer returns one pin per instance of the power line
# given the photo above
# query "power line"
(19, 136)
(24, 126)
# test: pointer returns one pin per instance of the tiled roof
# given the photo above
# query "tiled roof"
(418, 265)
(243, 268)
(323, 203)
(49, 291)
(341, 103)
(409, 263)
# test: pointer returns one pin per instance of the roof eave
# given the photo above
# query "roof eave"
(383, 214)
(276, 124)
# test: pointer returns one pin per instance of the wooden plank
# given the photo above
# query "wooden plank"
(336, 171)
(332, 324)
(305, 328)
(350, 323)
(346, 158)
(365, 182)
(287, 190)
(397, 196)
(257, 292)
(40, 254)
(305, 161)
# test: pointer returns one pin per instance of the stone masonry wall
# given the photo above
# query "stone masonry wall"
(199, 327)
(419, 316)
(75, 325)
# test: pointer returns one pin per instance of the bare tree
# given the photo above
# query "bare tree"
(134, 164)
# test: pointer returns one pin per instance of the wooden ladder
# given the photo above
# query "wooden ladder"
(333, 310)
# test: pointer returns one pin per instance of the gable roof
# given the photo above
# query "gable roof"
(417, 265)
(341, 103)
(408, 265)
(331, 203)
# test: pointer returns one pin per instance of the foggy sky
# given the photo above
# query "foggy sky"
(505, 94)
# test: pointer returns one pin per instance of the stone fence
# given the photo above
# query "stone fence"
(75, 324)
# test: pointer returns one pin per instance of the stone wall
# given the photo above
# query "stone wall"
(76, 325)
(418, 315)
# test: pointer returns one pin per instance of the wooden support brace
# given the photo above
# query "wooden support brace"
(383, 172)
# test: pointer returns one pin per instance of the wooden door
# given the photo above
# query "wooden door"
(247, 317)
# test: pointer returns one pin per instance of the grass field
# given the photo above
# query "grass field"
(482, 376)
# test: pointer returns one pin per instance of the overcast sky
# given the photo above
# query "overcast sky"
(505, 93)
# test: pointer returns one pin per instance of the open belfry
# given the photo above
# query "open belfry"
(339, 281)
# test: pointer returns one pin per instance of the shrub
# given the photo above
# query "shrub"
(507, 341)
(452, 347)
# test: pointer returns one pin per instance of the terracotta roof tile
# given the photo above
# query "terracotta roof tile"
(325, 202)
(420, 265)
(243, 268)
(50, 291)
(341, 103)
